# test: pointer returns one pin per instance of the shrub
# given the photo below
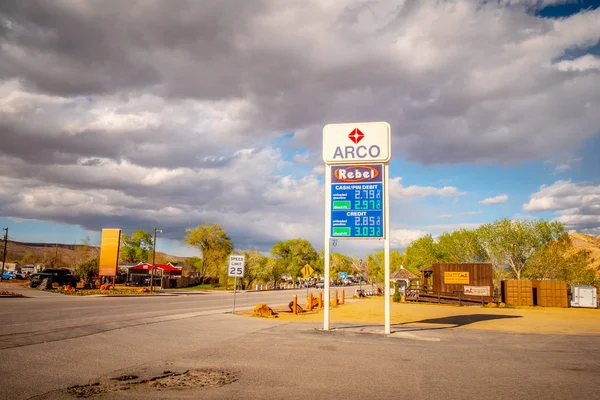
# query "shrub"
(397, 297)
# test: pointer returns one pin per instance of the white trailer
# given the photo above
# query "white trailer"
(584, 296)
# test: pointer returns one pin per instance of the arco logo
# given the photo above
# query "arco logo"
(356, 135)
(356, 173)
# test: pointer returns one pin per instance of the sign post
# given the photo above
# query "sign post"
(356, 160)
(307, 271)
(236, 269)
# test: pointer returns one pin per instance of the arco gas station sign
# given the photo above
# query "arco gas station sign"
(356, 159)
(357, 143)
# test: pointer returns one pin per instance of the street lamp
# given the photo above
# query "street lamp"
(4, 256)
(153, 259)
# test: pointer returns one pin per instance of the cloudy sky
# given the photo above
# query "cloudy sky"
(171, 114)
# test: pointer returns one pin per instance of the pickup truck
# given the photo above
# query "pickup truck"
(62, 276)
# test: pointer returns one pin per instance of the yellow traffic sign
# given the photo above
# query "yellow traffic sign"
(307, 271)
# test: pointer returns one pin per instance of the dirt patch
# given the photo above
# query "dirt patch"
(125, 378)
(10, 294)
(194, 379)
(168, 380)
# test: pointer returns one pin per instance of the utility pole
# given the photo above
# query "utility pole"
(4, 256)
(153, 259)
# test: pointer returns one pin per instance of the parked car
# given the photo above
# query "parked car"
(62, 276)
(137, 283)
(156, 281)
(8, 275)
(320, 284)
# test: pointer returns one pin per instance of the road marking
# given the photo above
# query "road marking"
(412, 336)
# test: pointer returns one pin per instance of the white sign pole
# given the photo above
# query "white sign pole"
(236, 267)
(327, 244)
(234, 287)
(386, 250)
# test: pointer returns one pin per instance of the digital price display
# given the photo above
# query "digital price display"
(357, 201)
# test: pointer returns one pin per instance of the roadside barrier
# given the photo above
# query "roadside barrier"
(313, 302)
(295, 307)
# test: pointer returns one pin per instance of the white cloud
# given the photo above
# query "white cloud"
(495, 200)
(583, 63)
(562, 195)
(441, 228)
(577, 204)
(176, 123)
(319, 170)
(462, 214)
(469, 213)
(247, 195)
(398, 191)
(563, 161)
(402, 238)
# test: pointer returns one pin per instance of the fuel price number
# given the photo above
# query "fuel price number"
(367, 226)
(357, 200)
(367, 199)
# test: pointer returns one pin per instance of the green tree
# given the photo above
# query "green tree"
(376, 266)
(87, 270)
(136, 247)
(319, 263)
(273, 271)
(215, 246)
(510, 244)
(559, 260)
(293, 254)
(256, 265)
(29, 258)
(339, 263)
(191, 266)
(462, 246)
(422, 253)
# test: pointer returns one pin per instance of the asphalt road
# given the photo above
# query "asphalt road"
(56, 317)
(275, 360)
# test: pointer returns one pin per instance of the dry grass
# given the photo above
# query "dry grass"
(570, 321)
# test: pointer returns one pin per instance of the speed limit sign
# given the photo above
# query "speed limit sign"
(236, 266)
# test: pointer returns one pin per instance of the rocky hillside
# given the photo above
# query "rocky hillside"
(590, 243)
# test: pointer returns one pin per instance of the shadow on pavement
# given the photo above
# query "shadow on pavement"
(456, 321)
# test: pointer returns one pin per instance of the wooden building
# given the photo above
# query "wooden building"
(460, 278)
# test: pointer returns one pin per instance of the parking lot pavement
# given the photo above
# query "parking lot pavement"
(216, 355)
(298, 361)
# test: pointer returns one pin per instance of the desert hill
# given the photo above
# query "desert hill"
(592, 244)
(68, 255)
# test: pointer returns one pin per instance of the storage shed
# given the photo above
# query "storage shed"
(584, 296)
(466, 278)
(544, 293)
